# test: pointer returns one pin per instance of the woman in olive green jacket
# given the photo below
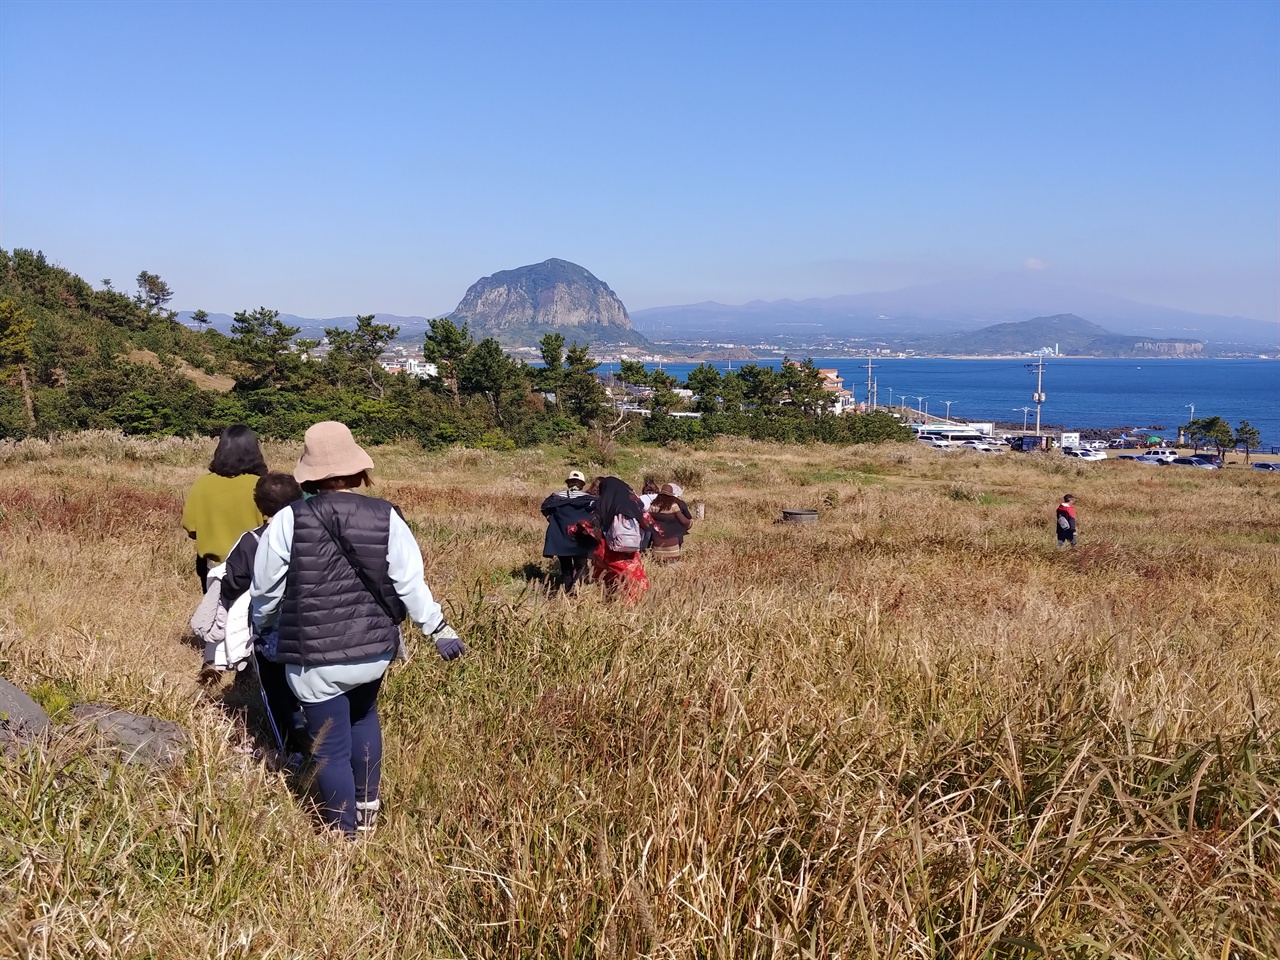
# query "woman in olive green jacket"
(220, 505)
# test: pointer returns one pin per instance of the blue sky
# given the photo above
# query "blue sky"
(333, 158)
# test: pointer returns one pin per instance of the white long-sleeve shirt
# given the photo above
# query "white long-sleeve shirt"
(404, 567)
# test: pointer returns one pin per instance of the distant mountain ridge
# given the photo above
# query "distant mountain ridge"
(906, 316)
(313, 327)
(1066, 333)
(946, 307)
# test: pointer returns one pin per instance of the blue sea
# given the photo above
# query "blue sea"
(1081, 393)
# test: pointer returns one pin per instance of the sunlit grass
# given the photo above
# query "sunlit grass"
(916, 730)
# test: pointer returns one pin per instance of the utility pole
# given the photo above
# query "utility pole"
(1038, 396)
(868, 383)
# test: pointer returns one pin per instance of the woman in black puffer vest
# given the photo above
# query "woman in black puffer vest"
(334, 577)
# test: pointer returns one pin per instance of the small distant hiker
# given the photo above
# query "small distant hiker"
(563, 509)
(335, 575)
(1066, 521)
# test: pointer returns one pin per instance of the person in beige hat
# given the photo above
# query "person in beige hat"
(333, 578)
(330, 453)
(672, 521)
(563, 509)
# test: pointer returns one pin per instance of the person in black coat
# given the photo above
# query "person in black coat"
(563, 509)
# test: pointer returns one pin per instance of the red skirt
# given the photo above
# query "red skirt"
(623, 572)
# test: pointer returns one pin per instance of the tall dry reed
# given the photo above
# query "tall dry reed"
(918, 730)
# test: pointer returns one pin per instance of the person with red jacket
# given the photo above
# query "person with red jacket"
(1065, 522)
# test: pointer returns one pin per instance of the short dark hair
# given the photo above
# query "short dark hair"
(275, 491)
(237, 453)
(351, 482)
(1067, 497)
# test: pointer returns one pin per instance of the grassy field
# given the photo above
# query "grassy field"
(916, 730)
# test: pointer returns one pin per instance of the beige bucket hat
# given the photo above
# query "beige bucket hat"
(329, 450)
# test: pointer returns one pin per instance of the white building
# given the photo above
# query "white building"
(420, 368)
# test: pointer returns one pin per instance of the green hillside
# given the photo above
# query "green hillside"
(1072, 335)
(74, 357)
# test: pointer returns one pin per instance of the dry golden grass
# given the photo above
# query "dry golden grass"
(917, 730)
(205, 381)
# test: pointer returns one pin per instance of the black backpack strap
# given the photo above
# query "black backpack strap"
(325, 517)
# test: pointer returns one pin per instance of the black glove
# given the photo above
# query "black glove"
(448, 644)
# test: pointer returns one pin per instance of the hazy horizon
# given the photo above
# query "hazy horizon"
(338, 159)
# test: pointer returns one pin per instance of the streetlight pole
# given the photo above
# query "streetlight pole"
(948, 403)
(1192, 407)
(1025, 411)
(920, 401)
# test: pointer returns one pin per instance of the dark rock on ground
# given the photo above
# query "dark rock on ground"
(140, 739)
(21, 718)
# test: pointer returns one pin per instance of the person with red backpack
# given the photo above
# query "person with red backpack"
(616, 526)
(1065, 521)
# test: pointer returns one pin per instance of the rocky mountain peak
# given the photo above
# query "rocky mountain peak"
(554, 293)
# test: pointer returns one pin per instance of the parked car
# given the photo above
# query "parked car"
(1163, 453)
(1192, 462)
(938, 443)
(1265, 465)
(1157, 461)
(1126, 456)
(1212, 458)
(979, 446)
(1083, 454)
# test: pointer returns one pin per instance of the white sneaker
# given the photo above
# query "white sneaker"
(367, 815)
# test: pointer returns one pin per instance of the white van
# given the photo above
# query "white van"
(1162, 453)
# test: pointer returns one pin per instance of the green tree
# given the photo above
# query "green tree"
(634, 373)
(762, 387)
(803, 385)
(201, 317)
(550, 375)
(732, 392)
(263, 344)
(1204, 431)
(17, 351)
(1248, 437)
(487, 371)
(664, 396)
(581, 393)
(352, 361)
(445, 345)
(705, 382)
(153, 295)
